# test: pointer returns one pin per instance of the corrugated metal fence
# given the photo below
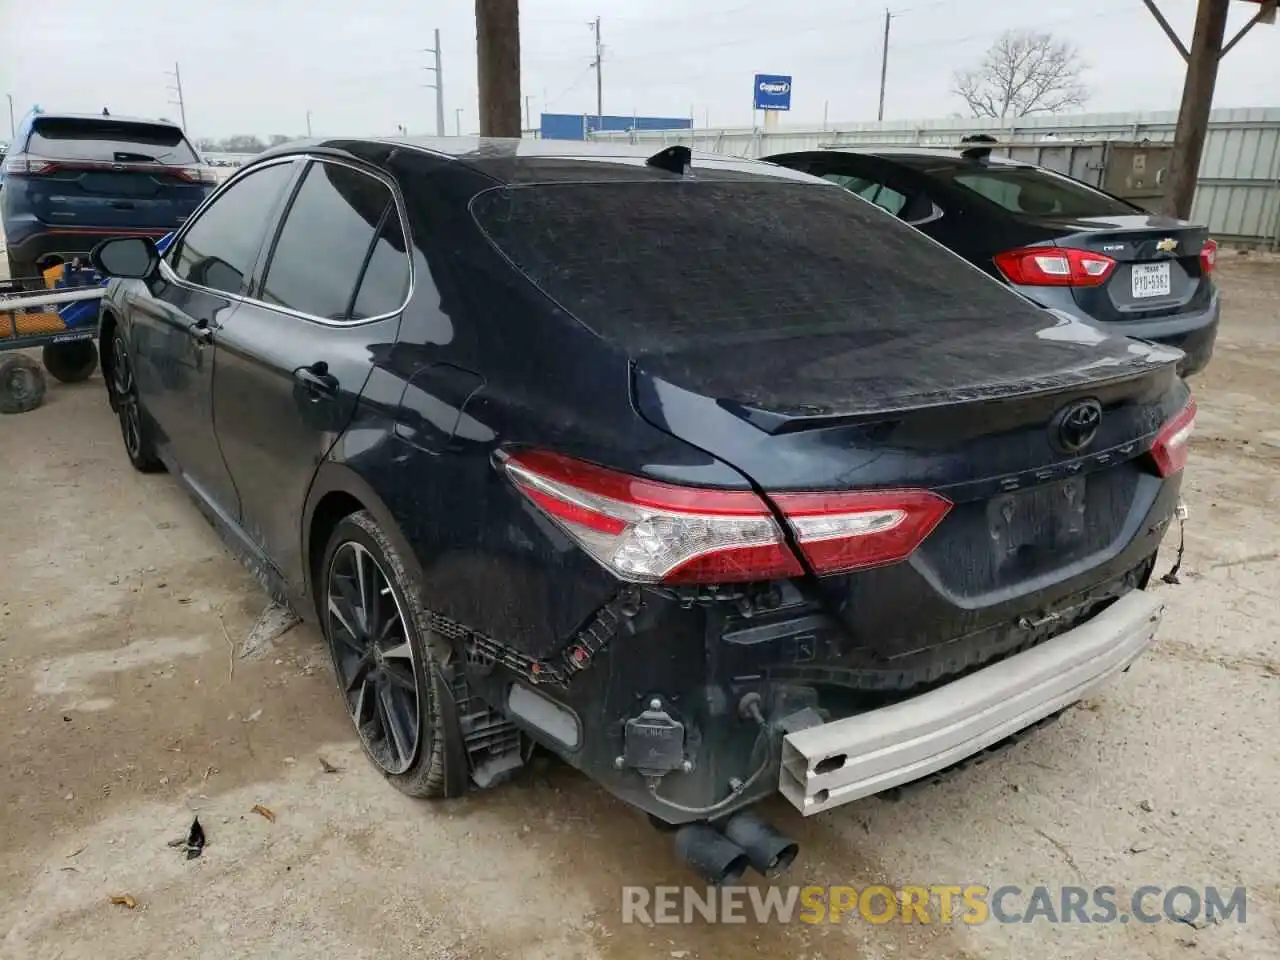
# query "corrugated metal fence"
(1238, 194)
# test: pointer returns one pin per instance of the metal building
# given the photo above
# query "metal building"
(578, 126)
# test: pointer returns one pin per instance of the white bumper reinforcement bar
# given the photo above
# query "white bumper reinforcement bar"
(830, 764)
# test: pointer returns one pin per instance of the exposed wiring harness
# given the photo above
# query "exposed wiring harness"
(749, 707)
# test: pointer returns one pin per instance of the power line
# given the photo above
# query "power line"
(825, 28)
(569, 89)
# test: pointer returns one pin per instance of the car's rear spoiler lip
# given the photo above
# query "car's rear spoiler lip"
(775, 422)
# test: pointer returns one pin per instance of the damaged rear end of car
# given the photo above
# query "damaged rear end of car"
(932, 513)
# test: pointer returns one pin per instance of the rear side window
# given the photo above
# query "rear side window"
(1030, 190)
(665, 267)
(112, 141)
(385, 283)
(884, 197)
(219, 249)
(340, 221)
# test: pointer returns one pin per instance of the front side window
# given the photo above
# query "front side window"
(340, 221)
(219, 249)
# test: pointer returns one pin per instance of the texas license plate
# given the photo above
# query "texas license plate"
(1150, 280)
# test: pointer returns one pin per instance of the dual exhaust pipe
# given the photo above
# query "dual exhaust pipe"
(721, 857)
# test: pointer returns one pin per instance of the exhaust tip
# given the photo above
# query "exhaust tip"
(715, 857)
(770, 852)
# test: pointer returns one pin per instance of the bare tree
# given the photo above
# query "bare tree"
(1023, 72)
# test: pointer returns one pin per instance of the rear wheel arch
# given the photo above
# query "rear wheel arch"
(337, 492)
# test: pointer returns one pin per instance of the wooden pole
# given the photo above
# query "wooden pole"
(498, 60)
(1197, 100)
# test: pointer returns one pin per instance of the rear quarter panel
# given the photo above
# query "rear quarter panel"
(484, 360)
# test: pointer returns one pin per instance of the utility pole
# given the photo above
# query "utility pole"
(528, 122)
(177, 88)
(884, 63)
(457, 121)
(596, 63)
(1197, 101)
(308, 123)
(498, 66)
(11, 124)
(1207, 50)
(438, 86)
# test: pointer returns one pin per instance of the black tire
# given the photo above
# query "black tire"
(370, 682)
(21, 383)
(72, 362)
(135, 427)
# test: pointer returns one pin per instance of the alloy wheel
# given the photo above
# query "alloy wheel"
(369, 640)
(126, 391)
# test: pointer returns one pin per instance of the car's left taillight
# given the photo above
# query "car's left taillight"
(1173, 441)
(26, 165)
(1055, 267)
(649, 532)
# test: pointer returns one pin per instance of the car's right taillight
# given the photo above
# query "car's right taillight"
(644, 531)
(1208, 257)
(1055, 267)
(1174, 440)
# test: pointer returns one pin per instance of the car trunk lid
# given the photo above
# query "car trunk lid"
(1159, 269)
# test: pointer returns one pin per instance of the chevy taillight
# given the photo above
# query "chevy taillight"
(650, 532)
(1055, 267)
(1174, 440)
(1208, 257)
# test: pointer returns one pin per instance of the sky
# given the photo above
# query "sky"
(258, 66)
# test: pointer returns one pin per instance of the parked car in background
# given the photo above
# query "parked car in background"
(701, 473)
(1062, 243)
(70, 180)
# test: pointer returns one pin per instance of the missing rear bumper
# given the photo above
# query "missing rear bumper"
(834, 763)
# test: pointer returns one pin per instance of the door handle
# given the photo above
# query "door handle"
(201, 333)
(317, 379)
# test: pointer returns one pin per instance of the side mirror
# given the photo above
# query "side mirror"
(133, 258)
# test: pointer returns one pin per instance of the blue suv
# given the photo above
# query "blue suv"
(69, 180)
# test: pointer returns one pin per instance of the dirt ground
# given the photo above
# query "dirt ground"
(124, 708)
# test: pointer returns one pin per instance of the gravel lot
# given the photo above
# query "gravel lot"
(124, 707)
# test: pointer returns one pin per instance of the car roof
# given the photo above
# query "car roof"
(107, 117)
(536, 160)
(930, 158)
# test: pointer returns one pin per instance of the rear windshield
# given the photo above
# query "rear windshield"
(115, 141)
(663, 267)
(1033, 191)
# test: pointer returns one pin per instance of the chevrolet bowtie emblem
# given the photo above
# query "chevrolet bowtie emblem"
(1167, 245)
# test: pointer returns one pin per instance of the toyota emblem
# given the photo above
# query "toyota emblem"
(1076, 425)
